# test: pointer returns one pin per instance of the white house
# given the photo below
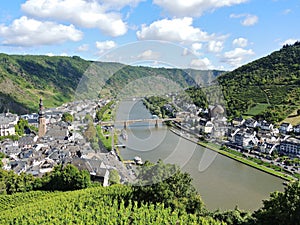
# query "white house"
(285, 128)
(245, 138)
(7, 124)
(250, 123)
(208, 127)
(264, 125)
(297, 129)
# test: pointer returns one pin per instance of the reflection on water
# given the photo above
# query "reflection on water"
(223, 183)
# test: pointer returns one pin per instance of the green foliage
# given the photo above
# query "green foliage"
(88, 118)
(165, 183)
(90, 133)
(197, 96)
(155, 104)
(283, 208)
(98, 205)
(12, 183)
(62, 178)
(56, 78)
(21, 126)
(66, 178)
(100, 112)
(67, 117)
(272, 80)
(256, 109)
(30, 77)
(276, 113)
(114, 177)
(12, 137)
(233, 217)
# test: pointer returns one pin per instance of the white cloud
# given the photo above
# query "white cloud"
(83, 48)
(201, 64)
(286, 11)
(290, 41)
(248, 19)
(105, 45)
(186, 52)
(176, 30)
(148, 55)
(31, 32)
(197, 46)
(240, 42)
(215, 46)
(50, 54)
(119, 4)
(237, 56)
(194, 7)
(88, 14)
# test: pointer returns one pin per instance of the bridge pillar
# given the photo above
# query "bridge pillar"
(125, 125)
(156, 123)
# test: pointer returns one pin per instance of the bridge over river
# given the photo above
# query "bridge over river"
(126, 123)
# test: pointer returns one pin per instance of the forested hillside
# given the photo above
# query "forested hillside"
(26, 78)
(270, 86)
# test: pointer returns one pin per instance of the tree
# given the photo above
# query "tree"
(233, 217)
(283, 208)
(91, 132)
(21, 126)
(114, 177)
(66, 178)
(167, 184)
(88, 118)
(67, 117)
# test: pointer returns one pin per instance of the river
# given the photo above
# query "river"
(223, 183)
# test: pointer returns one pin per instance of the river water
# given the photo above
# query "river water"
(223, 183)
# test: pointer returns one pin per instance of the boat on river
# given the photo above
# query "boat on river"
(124, 135)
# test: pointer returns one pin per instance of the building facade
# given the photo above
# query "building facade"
(7, 124)
(290, 146)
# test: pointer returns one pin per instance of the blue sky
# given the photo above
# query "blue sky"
(220, 34)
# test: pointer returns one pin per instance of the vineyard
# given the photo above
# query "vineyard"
(96, 205)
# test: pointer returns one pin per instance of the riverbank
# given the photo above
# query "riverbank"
(217, 148)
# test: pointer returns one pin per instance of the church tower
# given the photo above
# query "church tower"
(42, 120)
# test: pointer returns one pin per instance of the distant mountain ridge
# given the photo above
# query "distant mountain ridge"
(57, 79)
(268, 87)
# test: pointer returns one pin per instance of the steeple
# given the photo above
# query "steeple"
(41, 108)
(42, 120)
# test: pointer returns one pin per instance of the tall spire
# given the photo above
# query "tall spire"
(42, 120)
(41, 108)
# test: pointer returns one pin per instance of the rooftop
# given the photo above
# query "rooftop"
(7, 118)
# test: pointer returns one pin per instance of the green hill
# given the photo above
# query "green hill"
(26, 78)
(268, 87)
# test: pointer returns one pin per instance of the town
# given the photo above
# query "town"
(276, 146)
(57, 141)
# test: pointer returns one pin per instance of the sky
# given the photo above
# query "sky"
(220, 34)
